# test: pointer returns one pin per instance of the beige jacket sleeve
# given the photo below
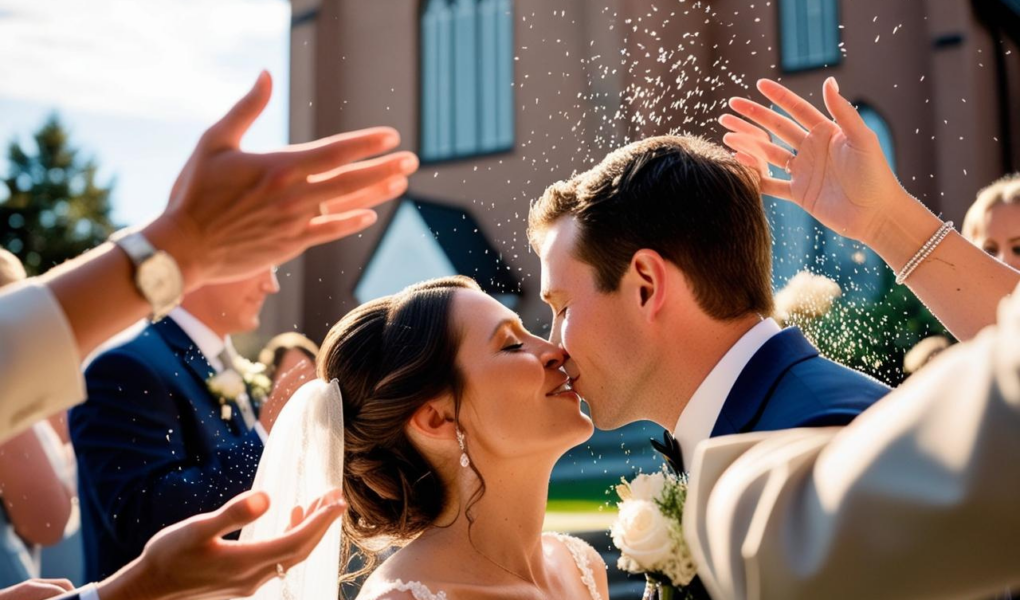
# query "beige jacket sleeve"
(40, 370)
(917, 498)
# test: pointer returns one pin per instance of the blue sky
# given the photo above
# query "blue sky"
(138, 82)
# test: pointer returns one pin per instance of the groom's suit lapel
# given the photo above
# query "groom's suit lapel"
(186, 349)
(188, 352)
(756, 383)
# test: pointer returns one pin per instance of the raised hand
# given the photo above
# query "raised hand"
(838, 172)
(191, 560)
(841, 177)
(232, 212)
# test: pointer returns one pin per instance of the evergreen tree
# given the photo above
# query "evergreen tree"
(53, 209)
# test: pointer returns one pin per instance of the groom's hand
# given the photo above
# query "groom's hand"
(838, 172)
(191, 560)
(232, 212)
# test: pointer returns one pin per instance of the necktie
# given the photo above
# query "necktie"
(243, 401)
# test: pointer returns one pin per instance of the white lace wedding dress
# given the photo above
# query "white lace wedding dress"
(579, 550)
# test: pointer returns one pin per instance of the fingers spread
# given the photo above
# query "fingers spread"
(233, 515)
(291, 547)
(773, 122)
(328, 228)
(229, 130)
(391, 170)
(738, 125)
(368, 197)
(773, 153)
(329, 154)
(798, 108)
(846, 116)
(777, 188)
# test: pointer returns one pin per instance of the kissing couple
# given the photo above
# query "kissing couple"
(441, 416)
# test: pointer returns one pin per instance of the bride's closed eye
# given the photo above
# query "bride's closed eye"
(512, 347)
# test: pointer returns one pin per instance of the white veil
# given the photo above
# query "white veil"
(303, 459)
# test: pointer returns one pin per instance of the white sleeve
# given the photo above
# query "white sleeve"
(916, 498)
(88, 592)
(40, 370)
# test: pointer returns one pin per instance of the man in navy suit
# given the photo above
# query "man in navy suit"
(155, 444)
(657, 266)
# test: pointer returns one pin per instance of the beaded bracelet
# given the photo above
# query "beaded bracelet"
(924, 252)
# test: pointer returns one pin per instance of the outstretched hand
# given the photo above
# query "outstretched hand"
(838, 172)
(233, 212)
(36, 589)
(191, 560)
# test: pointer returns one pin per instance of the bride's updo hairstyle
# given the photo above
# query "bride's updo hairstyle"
(391, 356)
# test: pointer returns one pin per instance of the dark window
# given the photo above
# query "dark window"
(467, 94)
(809, 32)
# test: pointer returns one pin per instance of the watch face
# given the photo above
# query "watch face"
(160, 281)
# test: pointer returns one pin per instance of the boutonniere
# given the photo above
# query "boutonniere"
(244, 376)
(648, 530)
(227, 387)
(254, 375)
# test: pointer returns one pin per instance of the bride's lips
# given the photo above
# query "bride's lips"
(564, 388)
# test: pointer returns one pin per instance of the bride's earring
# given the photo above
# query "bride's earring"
(464, 460)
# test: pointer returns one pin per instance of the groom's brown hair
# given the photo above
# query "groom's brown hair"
(685, 198)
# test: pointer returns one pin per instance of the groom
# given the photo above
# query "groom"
(657, 266)
(155, 444)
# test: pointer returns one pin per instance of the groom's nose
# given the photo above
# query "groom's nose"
(571, 368)
(554, 334)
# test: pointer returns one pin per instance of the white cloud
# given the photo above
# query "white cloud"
(175, 60)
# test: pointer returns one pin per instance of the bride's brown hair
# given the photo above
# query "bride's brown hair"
(391, 356)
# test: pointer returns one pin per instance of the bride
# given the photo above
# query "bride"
(441, 417)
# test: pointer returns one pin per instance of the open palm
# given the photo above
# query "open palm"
(838, 172)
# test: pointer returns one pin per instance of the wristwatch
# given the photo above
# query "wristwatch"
(157, 276)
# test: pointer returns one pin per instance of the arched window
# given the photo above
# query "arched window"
(466, 78)
(809, 33)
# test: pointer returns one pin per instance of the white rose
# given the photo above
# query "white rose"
(647, 487)
(642, 534)
(228, 384)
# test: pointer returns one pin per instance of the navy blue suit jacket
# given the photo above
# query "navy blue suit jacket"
(787, 384)
(152, 447)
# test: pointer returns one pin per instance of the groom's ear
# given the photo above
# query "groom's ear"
(649, 277)
(434, 420)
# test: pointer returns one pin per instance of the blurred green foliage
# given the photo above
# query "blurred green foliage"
(51, 206)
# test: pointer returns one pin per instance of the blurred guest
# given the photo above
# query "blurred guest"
(171, 425)
(36, 485)
(286, 351)
(924, 352)
(993, 221)
(290, 363)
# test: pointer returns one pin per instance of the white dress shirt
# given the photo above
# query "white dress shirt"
(699, 416)
(40, 368)
(212, 346)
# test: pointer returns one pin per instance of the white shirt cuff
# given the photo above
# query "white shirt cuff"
(40, 369)
(263, 434)
(88, 592)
